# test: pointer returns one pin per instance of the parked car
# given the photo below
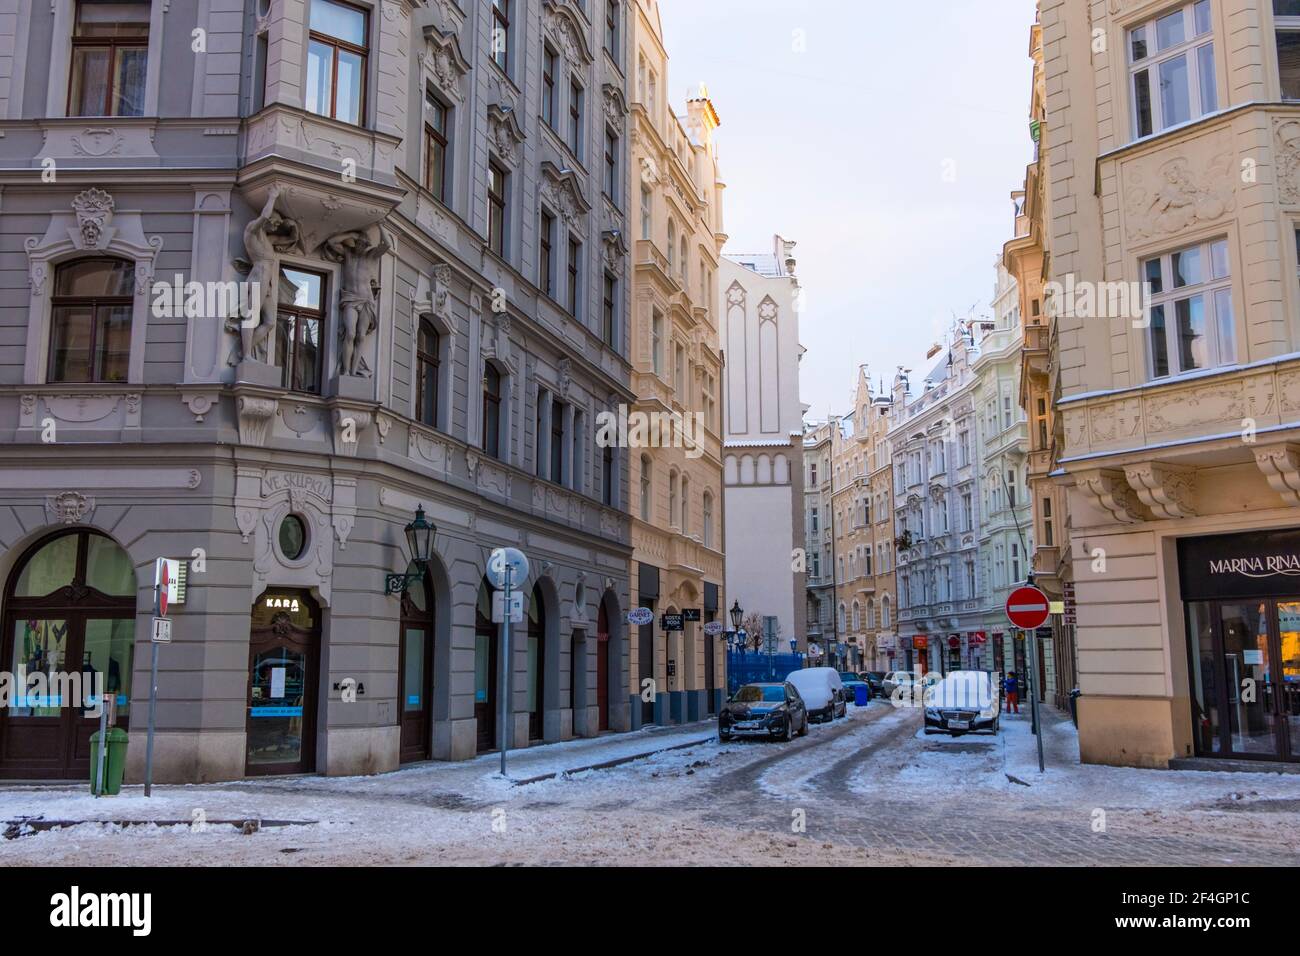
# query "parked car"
(764, 710)
(821, 690)
(963, 702)
(852, 682)
(875, 679)
(904, 681)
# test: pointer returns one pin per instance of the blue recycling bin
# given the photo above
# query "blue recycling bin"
(861, 694)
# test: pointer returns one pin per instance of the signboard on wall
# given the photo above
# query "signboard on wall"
(1257, 564)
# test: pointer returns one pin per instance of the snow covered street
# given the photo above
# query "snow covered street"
(870, 789)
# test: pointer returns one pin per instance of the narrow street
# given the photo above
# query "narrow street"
(869, 789)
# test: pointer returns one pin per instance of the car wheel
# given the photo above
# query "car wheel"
(788, 734)
(724, 738)
(803, 728)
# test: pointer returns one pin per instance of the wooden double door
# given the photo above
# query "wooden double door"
(415, 673)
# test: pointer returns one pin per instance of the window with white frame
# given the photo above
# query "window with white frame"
(110, 55)
(657, 342)
(1191, 322)
(1171, 68)
(1286, 26)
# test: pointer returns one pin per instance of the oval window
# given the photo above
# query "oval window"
(293, 537)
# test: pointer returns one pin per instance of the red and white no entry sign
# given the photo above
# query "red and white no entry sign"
(161, 582)
(1027, 608)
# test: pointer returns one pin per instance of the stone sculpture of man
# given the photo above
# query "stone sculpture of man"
(360, 258)
(268, 235)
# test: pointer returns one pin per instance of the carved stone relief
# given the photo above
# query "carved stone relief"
(1179, 193)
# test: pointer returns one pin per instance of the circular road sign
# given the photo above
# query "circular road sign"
(1027, 608)
(503, 558)
(160, 576)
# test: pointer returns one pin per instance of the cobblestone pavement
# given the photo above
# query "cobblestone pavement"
(867, 790)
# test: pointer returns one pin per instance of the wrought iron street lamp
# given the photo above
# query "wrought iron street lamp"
(419, 540)
(736, 614)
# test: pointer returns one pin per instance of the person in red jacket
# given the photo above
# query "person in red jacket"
(1011, 686)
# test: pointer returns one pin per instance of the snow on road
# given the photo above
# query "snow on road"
(868, 784)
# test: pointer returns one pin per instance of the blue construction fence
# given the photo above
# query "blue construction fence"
(756, 667)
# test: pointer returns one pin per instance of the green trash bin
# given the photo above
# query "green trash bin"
(115, 763)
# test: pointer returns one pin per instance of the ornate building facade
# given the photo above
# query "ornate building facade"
(763, 468)
(677, 522)
(1025, 258)
(1179, 415)
(422, 207)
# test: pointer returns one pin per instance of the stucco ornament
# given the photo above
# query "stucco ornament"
(504, 130)
(1288, 161)
(267, 236)
(1181, 198)
(359, 289)
(94, 209)
(69, 507)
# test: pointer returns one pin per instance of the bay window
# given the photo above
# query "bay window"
(298, 324)
(336, 61)
(1171, 69)
(1286, 25)
(1191, 322)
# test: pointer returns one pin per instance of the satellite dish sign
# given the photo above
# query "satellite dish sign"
(500, 560)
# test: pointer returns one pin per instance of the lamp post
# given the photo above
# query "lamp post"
(419, 540)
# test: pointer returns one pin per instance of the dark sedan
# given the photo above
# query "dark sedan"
(875, 679)
(764, 710)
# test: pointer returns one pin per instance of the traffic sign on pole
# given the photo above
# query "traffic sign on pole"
(1028, 608)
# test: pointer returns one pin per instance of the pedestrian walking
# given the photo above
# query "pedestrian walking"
(1012, 688)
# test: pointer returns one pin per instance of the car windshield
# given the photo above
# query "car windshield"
(849, 675)
(756, 694)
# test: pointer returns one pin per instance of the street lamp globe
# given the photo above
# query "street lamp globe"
(736, 614)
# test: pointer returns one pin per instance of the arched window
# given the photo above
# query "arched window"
(428, 368)
(708, 520)
(672, 247)
(884, 612)
(843, 620)
(857, 616)
(90, 321)
(645, 487)
(69, 609)
(685, 262)
(871, 614)
(492, 410)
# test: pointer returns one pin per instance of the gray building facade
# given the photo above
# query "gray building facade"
(420, 207)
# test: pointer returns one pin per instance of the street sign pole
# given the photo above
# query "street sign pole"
(159, 610)
(1033, 692)
(505, 666)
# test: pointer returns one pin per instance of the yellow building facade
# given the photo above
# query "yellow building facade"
(677, 532)
(1172, 217)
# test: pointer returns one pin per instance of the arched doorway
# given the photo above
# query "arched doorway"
(485, 670)
(536, 650)
(415, 670)
(283, 665)
(69, 621)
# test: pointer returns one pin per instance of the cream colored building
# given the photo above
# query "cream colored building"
(821, 586)
(1024, 258)
(1175, 162)
(677, 502)
(862, 508)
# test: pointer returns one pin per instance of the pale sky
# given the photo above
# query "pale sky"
(843, 147)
